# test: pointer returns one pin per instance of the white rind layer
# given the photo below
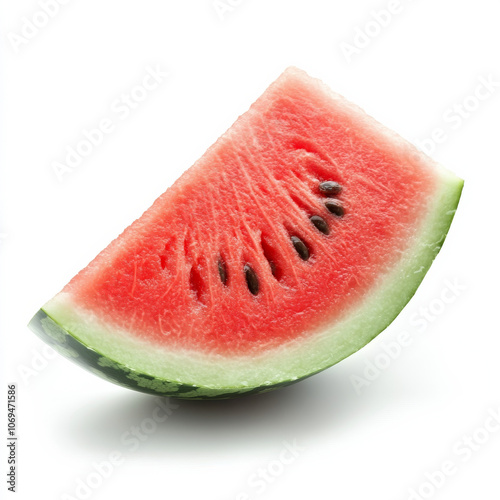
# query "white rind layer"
(313, 352)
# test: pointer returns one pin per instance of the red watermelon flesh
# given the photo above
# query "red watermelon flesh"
(231, 261)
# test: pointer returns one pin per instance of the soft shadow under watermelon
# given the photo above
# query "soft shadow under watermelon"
(304, 412)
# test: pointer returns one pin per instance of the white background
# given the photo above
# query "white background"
(379, 442)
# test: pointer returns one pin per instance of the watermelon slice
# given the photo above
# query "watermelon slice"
(294, 241)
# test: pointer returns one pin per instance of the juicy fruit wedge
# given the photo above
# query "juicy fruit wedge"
(295, 240)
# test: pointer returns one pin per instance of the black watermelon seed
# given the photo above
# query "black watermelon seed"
(222, 271)
(335, 207)
(252, 280)
(301, 248)
(330, 187)
(320, 224)
(273, 267)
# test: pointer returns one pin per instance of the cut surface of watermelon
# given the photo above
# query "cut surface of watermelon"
(296, 239)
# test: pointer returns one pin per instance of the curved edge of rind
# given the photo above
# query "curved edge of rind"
(63, 342)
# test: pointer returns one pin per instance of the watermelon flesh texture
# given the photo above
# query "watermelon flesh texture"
(229, 285)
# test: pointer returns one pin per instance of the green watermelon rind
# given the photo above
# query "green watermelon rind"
(66, 344)
(363, 325)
